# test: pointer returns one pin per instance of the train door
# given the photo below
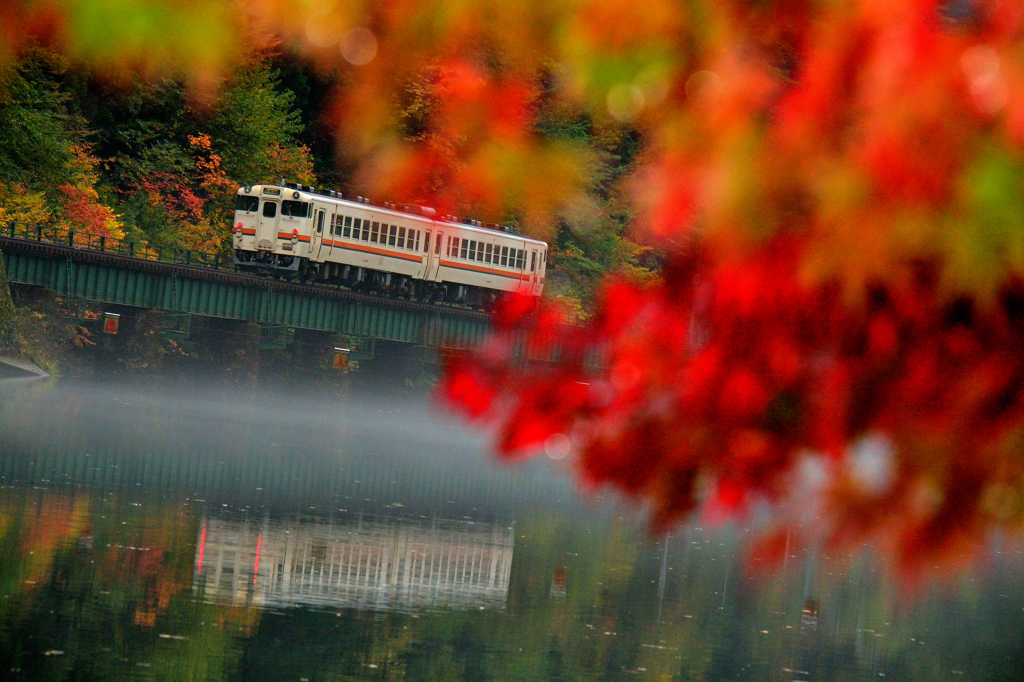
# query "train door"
(542, 268)
(327, 237)
(434, 257)
(317, 237)
(266, 233)
(522, 265)
(531, 270)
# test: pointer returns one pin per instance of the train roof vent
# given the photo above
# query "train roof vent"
(419, 210)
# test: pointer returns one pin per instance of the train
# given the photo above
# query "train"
(404, 251)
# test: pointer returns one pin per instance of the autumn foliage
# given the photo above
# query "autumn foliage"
(839, 327)
(837, 190)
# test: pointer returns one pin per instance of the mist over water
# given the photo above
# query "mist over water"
(161, 530)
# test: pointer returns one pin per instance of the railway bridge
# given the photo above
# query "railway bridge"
(184, 283)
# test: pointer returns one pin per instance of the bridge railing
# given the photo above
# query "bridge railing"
(78, 239)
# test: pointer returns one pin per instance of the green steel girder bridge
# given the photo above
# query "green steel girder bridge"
(103, 270)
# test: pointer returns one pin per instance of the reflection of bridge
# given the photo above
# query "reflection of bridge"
(384, 564)
(186, 283)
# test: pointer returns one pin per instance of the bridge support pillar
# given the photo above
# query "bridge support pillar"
(8, 323)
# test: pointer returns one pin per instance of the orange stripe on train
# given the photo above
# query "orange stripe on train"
(478, 268)
(369, 249)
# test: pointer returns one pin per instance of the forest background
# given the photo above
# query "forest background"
(147, 159)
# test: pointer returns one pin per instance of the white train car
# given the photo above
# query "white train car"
(292, 231)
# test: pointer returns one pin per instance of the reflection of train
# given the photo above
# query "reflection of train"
(380, 564)
(404, 251)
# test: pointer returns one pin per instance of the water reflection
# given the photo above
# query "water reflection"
(388, 564)
(151, 533)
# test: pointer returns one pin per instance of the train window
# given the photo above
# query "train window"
(247, 204)
(401, 238)
(320, 223)
(392, 233)
(348, 225)
(533, 262)
(504, 257)
(437, 244)
(519, 259)
(269, 209)
(472, 251)
(365, 236)
(426, 243)
(373, 233)
(449, 251)
(480, 252)
(295, 209)
(487, 253)
(465, 245)
(416, 246)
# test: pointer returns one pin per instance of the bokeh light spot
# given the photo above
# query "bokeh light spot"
(625, 102)
(359, 46)
(557, 446)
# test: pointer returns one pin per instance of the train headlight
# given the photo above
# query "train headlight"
(295, 194)
(295, 235)
(238, 228)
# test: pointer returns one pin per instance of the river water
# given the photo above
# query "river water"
(156, 531)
